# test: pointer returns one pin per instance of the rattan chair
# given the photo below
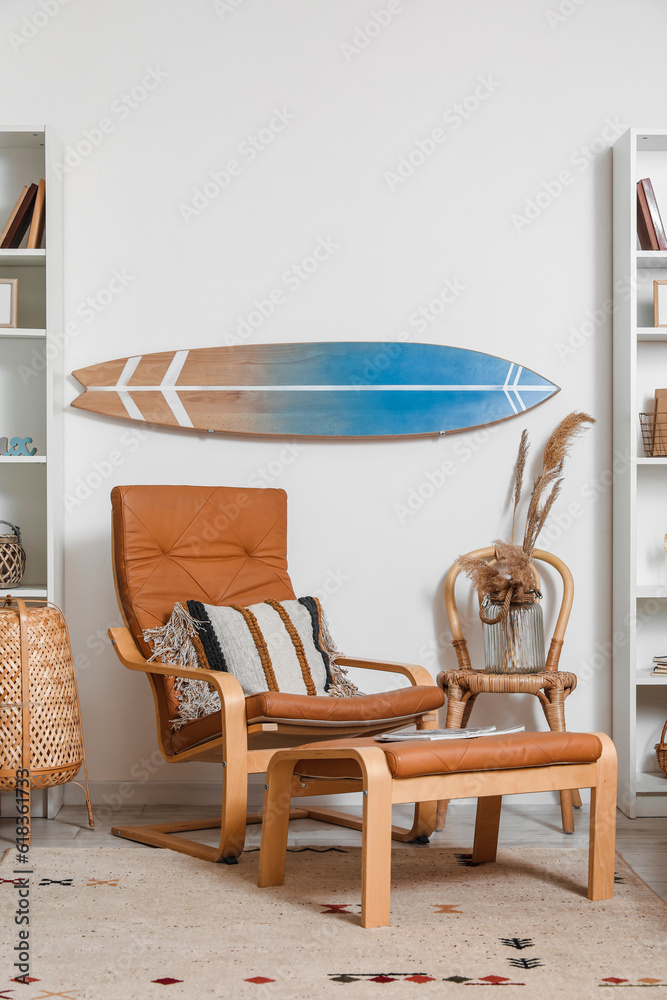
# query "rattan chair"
(551, 685)
(222, 546)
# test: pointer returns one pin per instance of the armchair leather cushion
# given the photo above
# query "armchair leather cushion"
(386, 708)
(378, 712)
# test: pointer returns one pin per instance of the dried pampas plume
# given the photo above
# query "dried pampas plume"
(556, 451)
(518, 475)
(513, 566)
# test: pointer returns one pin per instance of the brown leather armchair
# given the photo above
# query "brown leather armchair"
(222, 545)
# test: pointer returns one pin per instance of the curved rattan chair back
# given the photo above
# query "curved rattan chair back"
(489, 554)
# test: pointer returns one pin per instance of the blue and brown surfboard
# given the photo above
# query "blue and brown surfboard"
(357, 389)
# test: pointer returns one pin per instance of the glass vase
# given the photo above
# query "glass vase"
(514, 644)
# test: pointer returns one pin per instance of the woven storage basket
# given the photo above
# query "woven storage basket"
(40, 722)
(661, 751)
(12, 557)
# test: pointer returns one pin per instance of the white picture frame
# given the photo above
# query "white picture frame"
(660, 303)
(9, 303)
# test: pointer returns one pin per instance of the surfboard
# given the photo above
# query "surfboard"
(354, 389)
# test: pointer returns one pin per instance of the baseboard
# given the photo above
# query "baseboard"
(45, 803)
(119, 795)
(115, 796)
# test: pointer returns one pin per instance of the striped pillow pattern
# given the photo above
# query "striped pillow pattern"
(272, 646)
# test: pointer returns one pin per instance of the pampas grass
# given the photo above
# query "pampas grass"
(556, 451)
(513, 567)
(518, 475)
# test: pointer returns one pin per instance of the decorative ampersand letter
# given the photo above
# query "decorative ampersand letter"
(17, 446)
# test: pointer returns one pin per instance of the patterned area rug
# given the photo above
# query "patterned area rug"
(111, 924)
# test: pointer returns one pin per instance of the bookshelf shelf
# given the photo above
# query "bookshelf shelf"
(652, 258)
(26, 591)
(651, 782)
(649, 590)
(19, 333)
(22, 258)
(651, 334)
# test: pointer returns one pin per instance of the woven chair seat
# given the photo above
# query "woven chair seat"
(482, 681)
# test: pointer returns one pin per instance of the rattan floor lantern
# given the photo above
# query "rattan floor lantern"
(40, 720)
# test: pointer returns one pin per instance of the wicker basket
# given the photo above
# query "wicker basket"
(12, 557)
(661, 751)
(40, 723)
(654, 434)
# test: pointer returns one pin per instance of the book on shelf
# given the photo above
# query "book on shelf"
(399, 735)
(659, 442)
(36, 231)
(660, 665)
(12, 214)
(27, 216)
(650, 229)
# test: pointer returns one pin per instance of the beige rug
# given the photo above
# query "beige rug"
(110, 924)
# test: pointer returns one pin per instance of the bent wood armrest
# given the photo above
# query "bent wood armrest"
(415, 673)
(233, 722)
(225, 684)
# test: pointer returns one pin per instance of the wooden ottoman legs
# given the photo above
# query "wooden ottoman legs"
(376, 828)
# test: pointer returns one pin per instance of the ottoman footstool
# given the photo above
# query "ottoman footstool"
(485, 768)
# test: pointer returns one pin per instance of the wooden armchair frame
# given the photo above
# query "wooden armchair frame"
(551, 686)
(244, 749)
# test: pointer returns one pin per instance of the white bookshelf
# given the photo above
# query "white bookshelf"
(31, 380)
(639, 623)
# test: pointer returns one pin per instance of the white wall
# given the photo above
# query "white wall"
(559, 87)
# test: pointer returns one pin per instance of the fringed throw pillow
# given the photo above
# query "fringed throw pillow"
(272, 646)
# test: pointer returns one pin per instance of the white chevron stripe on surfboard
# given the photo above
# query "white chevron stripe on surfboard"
(168, 389)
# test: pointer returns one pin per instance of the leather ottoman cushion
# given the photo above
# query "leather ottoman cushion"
(412, 758)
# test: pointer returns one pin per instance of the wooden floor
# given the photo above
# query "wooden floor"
(642, 842)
